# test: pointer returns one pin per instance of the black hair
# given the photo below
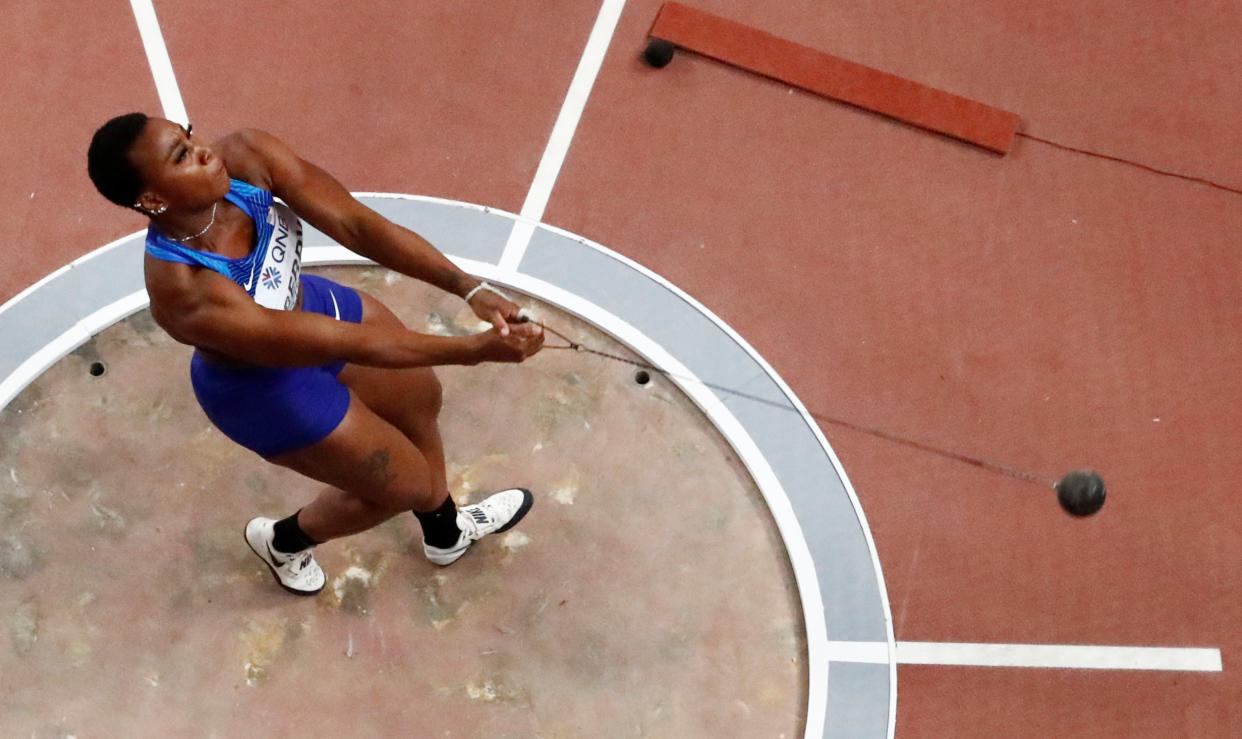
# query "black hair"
(108, 162)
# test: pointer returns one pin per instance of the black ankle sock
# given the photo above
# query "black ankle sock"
(440, 526)
(290, 537)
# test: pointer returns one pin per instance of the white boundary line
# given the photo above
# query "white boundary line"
(562, 134)
(161, 64)
(1047, 656)
(1064, 656)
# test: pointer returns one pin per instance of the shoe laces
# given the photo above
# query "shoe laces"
(467, 523)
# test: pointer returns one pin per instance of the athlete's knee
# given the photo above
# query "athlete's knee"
(426, 399)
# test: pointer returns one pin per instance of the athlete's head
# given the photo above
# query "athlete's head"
(153, 165)
(108, 162)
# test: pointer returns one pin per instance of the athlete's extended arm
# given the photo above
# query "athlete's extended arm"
(207, 310)
(319, 198)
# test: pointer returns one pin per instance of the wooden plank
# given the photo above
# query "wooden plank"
(760, 52)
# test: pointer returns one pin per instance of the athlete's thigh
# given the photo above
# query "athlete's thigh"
(400, 396)
(365, 456)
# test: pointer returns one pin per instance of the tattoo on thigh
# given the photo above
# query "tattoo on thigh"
(377, 468)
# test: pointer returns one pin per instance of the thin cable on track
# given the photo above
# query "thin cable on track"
(1132, 163)
(996, 467)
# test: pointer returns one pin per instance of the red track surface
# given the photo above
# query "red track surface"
(1041, 310)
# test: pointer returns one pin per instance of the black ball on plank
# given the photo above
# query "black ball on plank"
(658, 53)
(1081, 493)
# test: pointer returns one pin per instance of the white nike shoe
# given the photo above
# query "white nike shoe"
(298, 572)
(498, 512)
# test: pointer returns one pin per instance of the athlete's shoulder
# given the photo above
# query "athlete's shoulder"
(250, 155)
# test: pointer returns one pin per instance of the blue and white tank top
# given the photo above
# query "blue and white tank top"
(271, 272)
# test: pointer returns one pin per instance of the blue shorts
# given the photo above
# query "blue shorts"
(273, 410)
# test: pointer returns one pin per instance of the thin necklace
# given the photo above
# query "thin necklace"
(184, 239)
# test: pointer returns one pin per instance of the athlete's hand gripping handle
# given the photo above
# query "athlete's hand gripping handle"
(519, 342)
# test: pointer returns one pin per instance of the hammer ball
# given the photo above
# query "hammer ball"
(658, 52)
(1081, 493)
